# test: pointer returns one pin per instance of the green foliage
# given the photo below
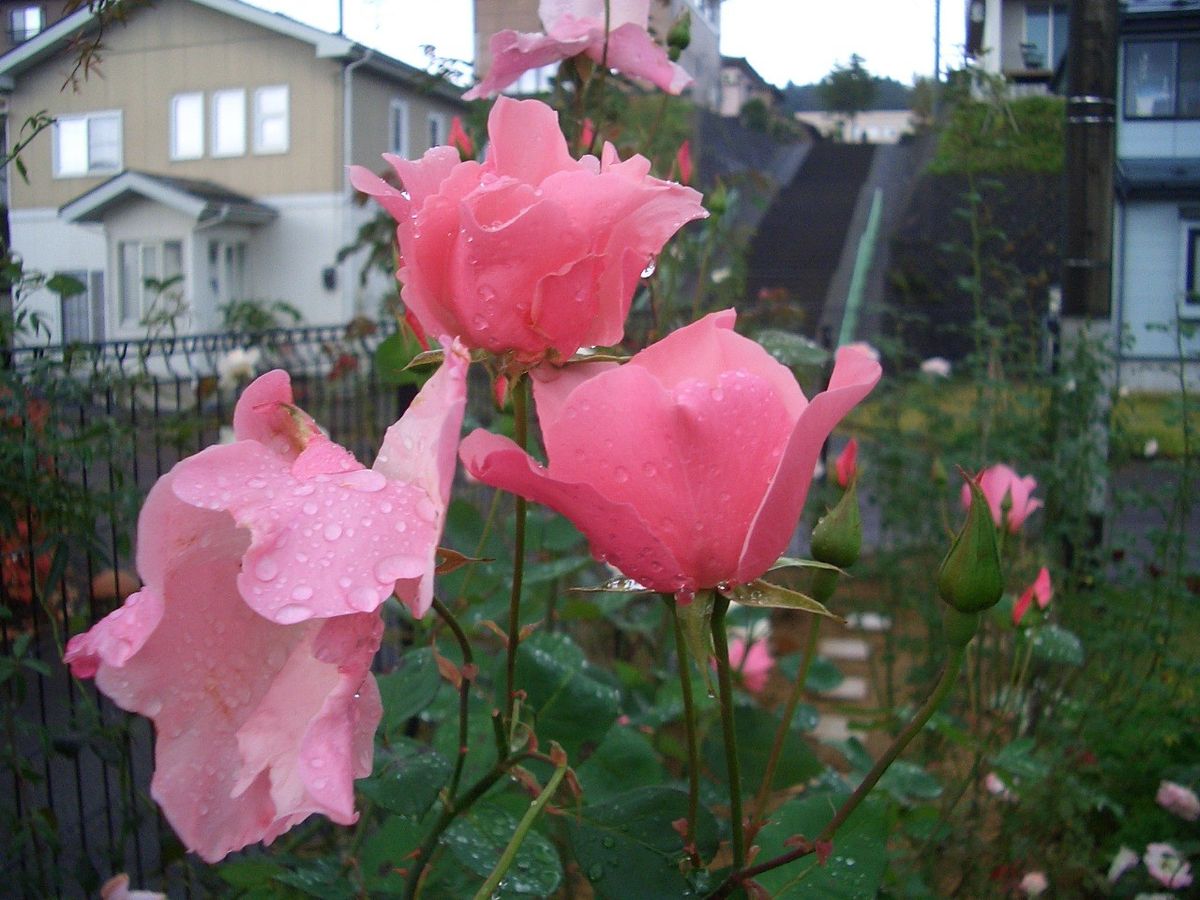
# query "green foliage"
(248, 316)
(1004, 135)
(848, 89)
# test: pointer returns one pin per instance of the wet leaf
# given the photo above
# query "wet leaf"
(407, 779)
(478, 839)
(408, 689)
(755, 730)
(625, 759)
(628, 847)
(772, 596)
(1052, 643)
(792, 349)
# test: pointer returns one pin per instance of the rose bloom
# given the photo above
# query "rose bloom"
(531, 251)
(846, 465)
(1166, 866)
(1041, 590)
(687, 467)
(1000, 482)
(615, 37)
(755, 664)
(1034, 884)
(1177, 799)
(1124, 860)
(250, 643)
(937, 366)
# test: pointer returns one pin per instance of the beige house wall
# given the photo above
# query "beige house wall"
(373, 96)
(176, 47)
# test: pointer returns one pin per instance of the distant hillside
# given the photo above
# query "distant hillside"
(889, 94)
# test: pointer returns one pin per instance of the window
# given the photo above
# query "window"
(271, 119)
(1162, 79)
(25, 22)
(87, 145)
(1191, 287)
(229, 122)
(1045, 35)
(187, 126)
(142, 268)
(398, 128)
(83, 313)
(227, 270)
(437, 130)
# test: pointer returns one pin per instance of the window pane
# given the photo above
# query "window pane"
(1149, 79)
(1037, 36)
(130, 279)
(1193, 267)
(104, 143)
(271, 119)
(172, 260)
(1062, 30)
(71, 146)
(1189, 79)
(398, 128)
(229, 123)
(187, 126)
(436, 131)
(76, 318)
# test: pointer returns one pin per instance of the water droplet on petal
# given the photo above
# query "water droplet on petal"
(426, 510)
(266, 568)
(620, 474)
(651, 265)
(364, 598)
(394, 567)
(292, 613)
(366, 480)
(333, 531)
(309, 508)
(302, 592)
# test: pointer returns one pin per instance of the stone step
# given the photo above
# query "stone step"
(869, 621)
(853, 687)
(848, 649)
(832, 727)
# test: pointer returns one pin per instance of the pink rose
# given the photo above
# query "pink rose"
(1041, 590)
(616, 38)
(683, 161)
(686, 467)
(1177, 799)
(530, 251)
(250, 644)
(846, 465)
(755, 664)
(1166, 866)
(1034, 884)
(1001, 484)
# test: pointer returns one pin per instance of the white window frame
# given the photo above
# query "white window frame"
(263, 118)
(144, 297)
(1189, 262)
(197, 112)
(216, 141)
(22, 33)
(398, 128)
(89, 169)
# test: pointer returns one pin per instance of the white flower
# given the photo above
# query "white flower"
(1125, 860)
(937, 366)
(1123, 391)
(721, 274)
(997, 788)
(239, 364)
(1033, 884)
(1069, 386)
(1166, 866)
(1151, 449)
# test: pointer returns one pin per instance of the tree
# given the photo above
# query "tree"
(848, 90)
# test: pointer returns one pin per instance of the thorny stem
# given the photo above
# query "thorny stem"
(804, 847)
(521, 429)
(510, 852)
(785, 723)
(689, 719)
(464, 693)
(725, 680)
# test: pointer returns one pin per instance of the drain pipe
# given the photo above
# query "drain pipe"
(347, 229)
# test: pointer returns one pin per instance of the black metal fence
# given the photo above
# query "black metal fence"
(85, 430)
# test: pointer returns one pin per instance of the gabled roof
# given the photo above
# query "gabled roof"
(205, 201)
(325, 45)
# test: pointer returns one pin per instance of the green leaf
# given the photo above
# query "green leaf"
(628, 847)
(65, 285)
(1020, 760)
(854, 869)
(571, 704)
(1052, 643)
(392, 357)
(318, 878)
(408, 689)
(385, 852)
(792, 349)
(408, 780)
(791, 562)
(755, 731)
(542, 573)
(823, 674)
(908, 783)
(625, 759)
(772, 596)
(250, 874)
(477, 840)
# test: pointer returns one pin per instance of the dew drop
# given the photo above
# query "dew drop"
(333, 531)
(368, 481)
(608, 843)
(393, 567)
(649, 469)
(621, 474)
(309, 508)
(426, 510)
(256, 483)
(266, 569)
(292, 613)
(651, 265)
(302, 592)
(363, 598)
(596, 871)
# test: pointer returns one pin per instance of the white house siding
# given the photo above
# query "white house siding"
(47, 244)
(1139, 139)
(1150, 278)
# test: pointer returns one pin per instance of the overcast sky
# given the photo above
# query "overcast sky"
(797, 40)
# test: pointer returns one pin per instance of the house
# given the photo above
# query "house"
(1156, 240)
(1025, 41)
(871, 126)
(24, 20)
(208, 155)
(741, 83)
(702, 58)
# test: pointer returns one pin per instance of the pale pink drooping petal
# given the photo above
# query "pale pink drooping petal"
(1179, 800)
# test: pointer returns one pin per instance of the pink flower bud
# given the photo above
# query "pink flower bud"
(846, 466)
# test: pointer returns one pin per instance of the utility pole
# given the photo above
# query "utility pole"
(1090, 158)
